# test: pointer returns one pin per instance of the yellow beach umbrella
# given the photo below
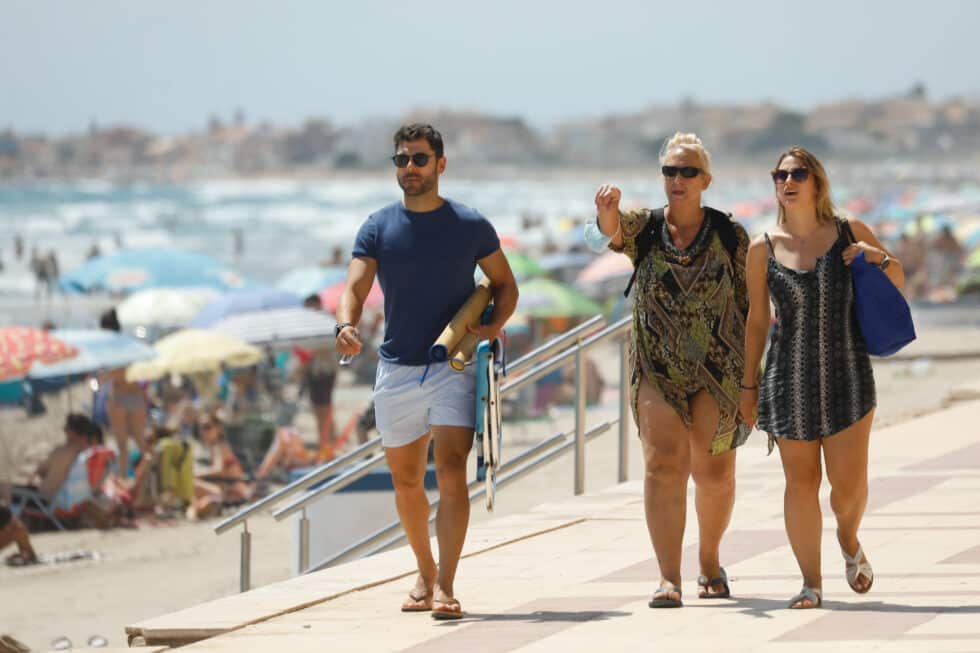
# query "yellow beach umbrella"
(193, 351)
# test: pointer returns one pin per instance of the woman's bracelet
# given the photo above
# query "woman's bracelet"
(748, 387)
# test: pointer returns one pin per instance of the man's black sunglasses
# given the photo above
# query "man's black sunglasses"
(687, 172)
(799, 175)
(420, 159)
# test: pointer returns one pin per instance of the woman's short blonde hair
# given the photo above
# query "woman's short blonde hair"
(826, 211)
(690, 143)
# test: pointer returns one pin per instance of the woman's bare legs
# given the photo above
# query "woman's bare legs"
(801, 507)
(714, 482)
(667, 459)
(846, 457)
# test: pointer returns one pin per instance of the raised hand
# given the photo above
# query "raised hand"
(607, 202)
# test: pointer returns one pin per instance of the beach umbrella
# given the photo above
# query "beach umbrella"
(164, 308)
(193, 351)
(282, 325)
(610, 265)
(307, 281)
(135, 269)
(245, 301)
(330, 297)
(20, 347)
(547, 298)
(98, 349)
(522, 265)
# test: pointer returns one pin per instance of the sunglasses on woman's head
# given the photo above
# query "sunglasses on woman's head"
(420, 159)
(798, 174)
(687, 172)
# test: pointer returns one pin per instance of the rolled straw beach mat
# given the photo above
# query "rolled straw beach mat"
(468, 313)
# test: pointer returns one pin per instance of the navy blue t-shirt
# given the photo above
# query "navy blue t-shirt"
(426, 263)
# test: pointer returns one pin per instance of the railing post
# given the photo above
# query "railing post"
(625, 408)
(304, 542)
(245, 571)
(579, 419)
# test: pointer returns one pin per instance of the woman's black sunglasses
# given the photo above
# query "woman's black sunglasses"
(687, 172)
(420, 159)
(799, 175)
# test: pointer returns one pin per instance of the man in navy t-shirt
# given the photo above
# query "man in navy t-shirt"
(424, 251)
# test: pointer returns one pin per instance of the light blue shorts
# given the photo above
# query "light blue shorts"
(409, 400)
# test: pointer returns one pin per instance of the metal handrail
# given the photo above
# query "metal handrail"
(353, 474)
(312, 478)
(561, 359)
(539, 454)
(564, 340)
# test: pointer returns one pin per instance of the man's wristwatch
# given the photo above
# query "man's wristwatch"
(340, 327)
(885, 261)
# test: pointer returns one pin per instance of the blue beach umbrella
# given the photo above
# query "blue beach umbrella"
(136, 269)
(310, 280)
(245, 301)
(98, 349)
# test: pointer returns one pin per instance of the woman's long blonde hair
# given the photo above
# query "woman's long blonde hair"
(826, 211)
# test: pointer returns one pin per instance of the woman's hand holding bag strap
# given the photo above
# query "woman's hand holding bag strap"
(883, 315)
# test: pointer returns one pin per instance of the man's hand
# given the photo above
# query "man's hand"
(607, 202)
(484, 331)
(349, 341)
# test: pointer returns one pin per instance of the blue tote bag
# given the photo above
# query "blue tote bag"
(883, 315)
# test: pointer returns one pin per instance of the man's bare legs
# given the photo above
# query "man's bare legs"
(407, 465)
(452, 448)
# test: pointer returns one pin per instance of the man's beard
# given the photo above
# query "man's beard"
(425, 184)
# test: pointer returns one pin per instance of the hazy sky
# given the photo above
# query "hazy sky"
(167, 65)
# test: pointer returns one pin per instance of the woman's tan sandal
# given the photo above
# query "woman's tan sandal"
(811, 594)
(855, 567)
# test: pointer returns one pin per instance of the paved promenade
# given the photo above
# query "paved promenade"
(577, 575)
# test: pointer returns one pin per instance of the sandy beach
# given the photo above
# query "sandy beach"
(161, 567)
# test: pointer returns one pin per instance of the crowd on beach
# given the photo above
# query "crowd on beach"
(192, 447)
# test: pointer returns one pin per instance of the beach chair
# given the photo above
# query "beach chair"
(84, 482)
